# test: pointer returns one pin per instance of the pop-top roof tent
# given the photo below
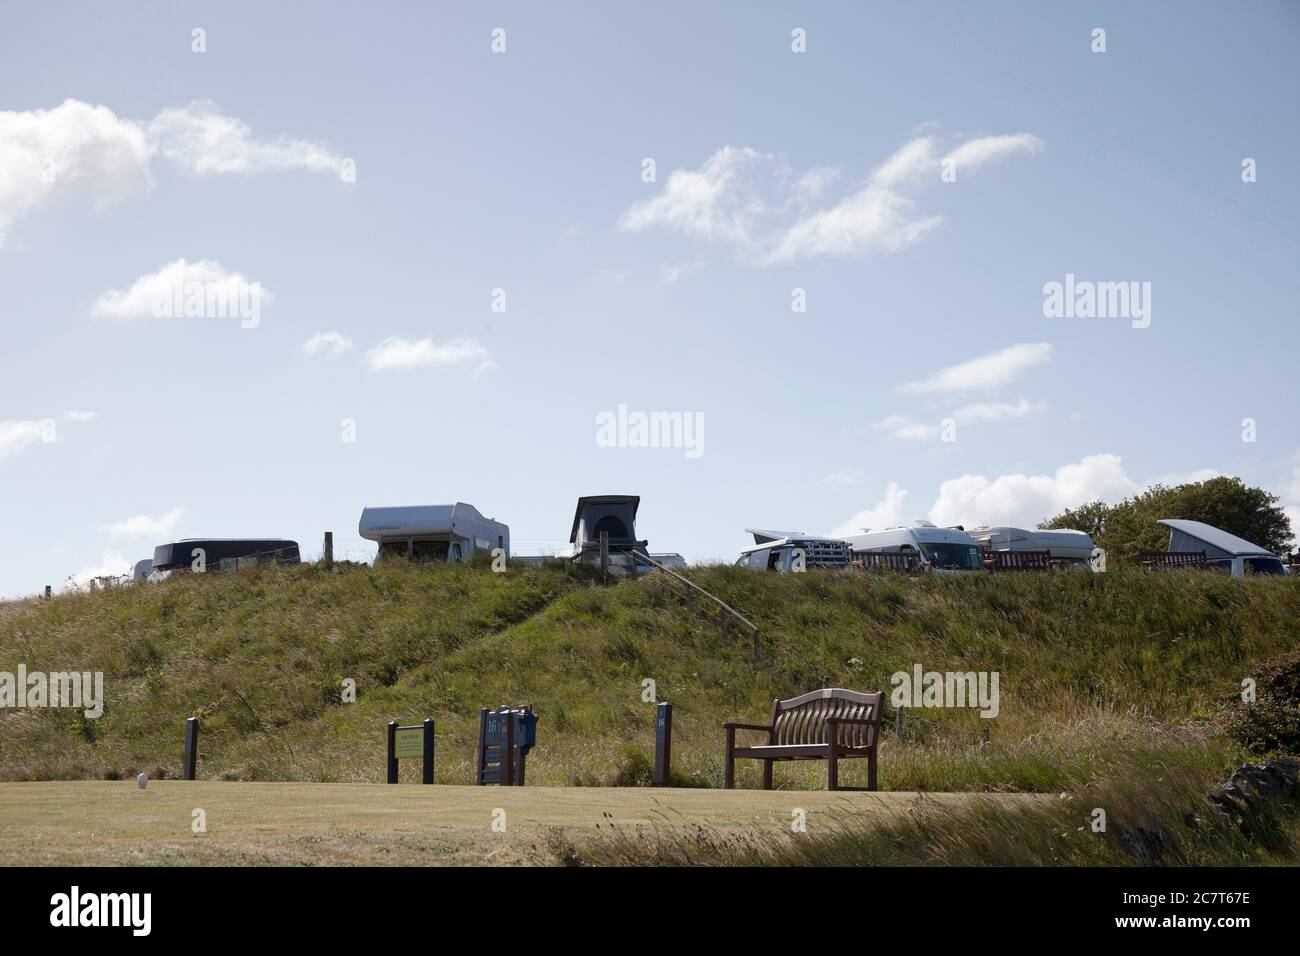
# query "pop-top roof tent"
(180, 555)
(1185, 535)
(453, 532)
(615, 514)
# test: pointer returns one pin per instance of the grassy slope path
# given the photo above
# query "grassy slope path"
(1097, 671)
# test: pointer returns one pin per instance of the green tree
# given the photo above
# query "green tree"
(1130, 527)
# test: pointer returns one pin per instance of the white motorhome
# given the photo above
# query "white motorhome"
(433, 532)
(1223, 551)
(1069, 547)
(938, 549)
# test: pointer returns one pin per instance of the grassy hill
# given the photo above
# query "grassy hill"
(1097, 672)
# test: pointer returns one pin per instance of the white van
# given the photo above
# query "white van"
(938, 549)
(775, 551)
(1069, 547)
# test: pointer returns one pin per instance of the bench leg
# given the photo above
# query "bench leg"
(833, 772)
(871, 769)
(767, 775)
(729, 777)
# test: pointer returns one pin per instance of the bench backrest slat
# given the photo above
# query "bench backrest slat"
(802, 720)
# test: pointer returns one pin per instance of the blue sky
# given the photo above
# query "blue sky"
(124, 152)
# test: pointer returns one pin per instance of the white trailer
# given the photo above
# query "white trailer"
(1070, 547)
(433, 532)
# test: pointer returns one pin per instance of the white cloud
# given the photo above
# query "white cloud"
(331, 344)
(1293, 515)
(754, 202)
(1291, 485)
(886, 513)
(720, 201)
(201, 139)
(206, 285)
(906, 429)
(111, 564)
(986, 372)
(1175, 478)
(991, 412)
(975, 153)
(398, 353)
(1025, 500)
(874, 219)
(17, 435)
(77, 152)
(844, 477)
(145, 526)
(670, 273)
(74, 152)
(976, 413)
(79, 415)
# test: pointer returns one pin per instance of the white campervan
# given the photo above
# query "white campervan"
(453, 532)
(1069, 547)
(938, 549)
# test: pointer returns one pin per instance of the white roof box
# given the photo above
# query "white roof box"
(418, 521)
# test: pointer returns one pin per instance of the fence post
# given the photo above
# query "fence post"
(984, 737)
(663, 745)
(188, 772)
(329, 549)
(428, 750)
(392, 751)
(47, 592)
(604, 552)
(898, 721)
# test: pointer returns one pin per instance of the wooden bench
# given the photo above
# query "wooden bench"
(1017, 560)
(831, 724)
(884, 561)
(1164, 560)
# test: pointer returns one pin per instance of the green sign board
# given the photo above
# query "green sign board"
(409, 742)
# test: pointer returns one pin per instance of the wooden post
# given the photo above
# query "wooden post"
(663, 745)
(47, 592)
(480, 758)
(984, 737)
(392, 751)
(329, 549)
(190, 769)
(898, 721)
(428, 751)
(604, 552)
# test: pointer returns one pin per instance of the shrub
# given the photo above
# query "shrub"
(1272, 723)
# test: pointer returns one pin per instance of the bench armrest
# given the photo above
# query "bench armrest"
(763, 727)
